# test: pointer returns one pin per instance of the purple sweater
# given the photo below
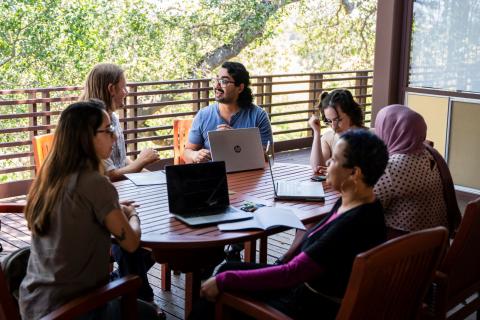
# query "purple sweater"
(300, 269)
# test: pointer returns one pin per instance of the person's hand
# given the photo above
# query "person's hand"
(209, 289)
(202, 155)
(223, 127)
(129, 203)
(314, 123)
(128, 210)
(320, 170)
(148, 156)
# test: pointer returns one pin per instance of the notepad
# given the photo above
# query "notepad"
(265, 218)
(147, 178)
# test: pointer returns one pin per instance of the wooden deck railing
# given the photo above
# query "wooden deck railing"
(150, 108)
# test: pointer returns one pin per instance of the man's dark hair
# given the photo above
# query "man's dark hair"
(240, 74)
(366, 151)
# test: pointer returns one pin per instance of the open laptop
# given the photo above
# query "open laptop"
(241, 149)
(198, 194)
(296, 190)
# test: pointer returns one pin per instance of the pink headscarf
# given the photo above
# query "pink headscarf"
(402, 129)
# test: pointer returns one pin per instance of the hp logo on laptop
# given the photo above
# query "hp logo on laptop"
(237, 149)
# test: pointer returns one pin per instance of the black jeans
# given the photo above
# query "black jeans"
(297, 302)
(137, 263)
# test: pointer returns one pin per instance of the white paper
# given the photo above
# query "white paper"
(265, 218)
(147, 178)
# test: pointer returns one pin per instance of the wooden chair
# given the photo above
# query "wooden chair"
(458, 277)
(181, 128)
(387, 282)
(41, 147)
(125, 287)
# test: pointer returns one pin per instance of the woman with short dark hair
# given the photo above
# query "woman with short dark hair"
(312, 278)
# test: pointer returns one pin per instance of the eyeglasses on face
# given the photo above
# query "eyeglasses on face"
(110, 130)
(223, 82)
(332, 121)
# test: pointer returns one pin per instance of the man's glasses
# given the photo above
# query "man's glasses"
(110, 130)
(331, 122)
(223, 82)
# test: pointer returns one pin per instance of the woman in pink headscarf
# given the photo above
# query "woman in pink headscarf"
(416, 190)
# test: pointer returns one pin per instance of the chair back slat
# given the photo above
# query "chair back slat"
(181, 128)
(390, 281)
(41, 147)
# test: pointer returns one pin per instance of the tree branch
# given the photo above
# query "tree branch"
(244, 37)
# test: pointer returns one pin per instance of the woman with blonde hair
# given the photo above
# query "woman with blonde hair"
(107, 82)
(69, 199)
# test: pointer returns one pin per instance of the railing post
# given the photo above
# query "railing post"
(361, 83)
(205, 94)
(133, 124)
(259, 92)
(196, 96)
(201, 92)
(31, 123)
(315, 88)
(267, 95)
(46, 120)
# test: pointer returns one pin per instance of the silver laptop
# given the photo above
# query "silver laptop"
(241, 149)
(198, 194)
(296, 190)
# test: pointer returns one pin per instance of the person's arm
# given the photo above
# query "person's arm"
(145, 157)
(385, 189)
(194, 153)
(300, 269)
(317, 154)
(124, 224)
(265, 128)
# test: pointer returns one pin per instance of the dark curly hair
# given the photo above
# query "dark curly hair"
(366, 151)
(240, 74)
(343, 99)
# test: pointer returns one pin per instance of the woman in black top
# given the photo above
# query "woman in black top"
(313, 277)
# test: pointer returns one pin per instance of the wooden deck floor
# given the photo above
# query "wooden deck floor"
(14, 234)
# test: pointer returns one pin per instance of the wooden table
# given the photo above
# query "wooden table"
(189, 249)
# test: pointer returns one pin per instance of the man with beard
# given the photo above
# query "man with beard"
(233, 109)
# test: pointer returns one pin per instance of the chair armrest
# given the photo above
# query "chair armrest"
(256, 309)
(126, 286)
(11, 207)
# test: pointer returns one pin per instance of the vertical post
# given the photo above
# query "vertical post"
(204, 94)
(267, 95)
(361, 81)
(315, 87)
(46, 120)
(32, 122)
(259, 92)
(196, 96)
(132, 112)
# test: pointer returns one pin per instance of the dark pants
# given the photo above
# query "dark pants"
(298, 302)
(137, 263)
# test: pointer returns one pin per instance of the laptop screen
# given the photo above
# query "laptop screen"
(197, 187)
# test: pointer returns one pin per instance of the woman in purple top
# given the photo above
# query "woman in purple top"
(312, 277)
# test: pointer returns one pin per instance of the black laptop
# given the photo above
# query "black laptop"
(198, 194)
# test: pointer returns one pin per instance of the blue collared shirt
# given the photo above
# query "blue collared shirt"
(208, 118)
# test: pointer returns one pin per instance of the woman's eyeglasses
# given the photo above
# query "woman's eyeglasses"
(223, 82)
(110, 130)
(332, 121)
